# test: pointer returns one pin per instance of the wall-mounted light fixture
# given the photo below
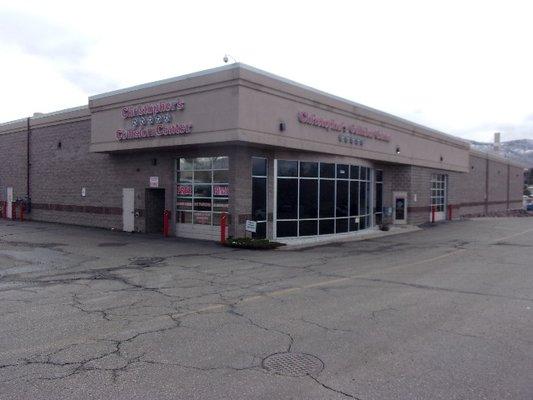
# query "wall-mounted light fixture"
(282, 126)
(441, 158)
(154, 161)
(397, 149)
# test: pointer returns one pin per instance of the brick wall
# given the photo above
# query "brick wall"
(13, 164)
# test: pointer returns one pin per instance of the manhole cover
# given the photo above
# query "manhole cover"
(293, 364)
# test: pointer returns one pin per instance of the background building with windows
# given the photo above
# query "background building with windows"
(237, 140)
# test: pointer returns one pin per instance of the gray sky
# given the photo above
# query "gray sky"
(463, 67)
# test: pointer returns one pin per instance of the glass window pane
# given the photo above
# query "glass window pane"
(379, 175)
(379, 197)
(343, 171)
(354, 172)
(287, 198)
(362, 198)
(326, 226)
(327, 198)
(259, 166)
(216, 219)
(363, 173)
(186, 164)
(309, 228)
(260, 232)
(220, 190)
(184, 203)
(184, 190)
(354, 198)
(220, 205)
(221, 176)
(354, 225)
(202, 163)
(220, 162)
(308, 169)
(185, 176)
(287, 228)
(259, 199)
(342, 199)
(202, 176)
(327, 170)
(378, 219)
(287, 168)
(202, 218)
(341, 225)
(183, 217)
(308, 198)
(202, 190)
(201, 204)
(362, 223)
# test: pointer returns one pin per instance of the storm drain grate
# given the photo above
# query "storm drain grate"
(293, 364)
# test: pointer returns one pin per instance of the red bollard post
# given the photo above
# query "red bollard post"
(223, 224)
(449, 212)
(4, 209)
(13, 211)
(432, 214)
(166, 217)
(21, 213)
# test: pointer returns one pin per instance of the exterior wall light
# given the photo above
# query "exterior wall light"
(397, 149)
(282, 126)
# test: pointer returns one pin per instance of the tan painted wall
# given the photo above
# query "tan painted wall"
(245, 105)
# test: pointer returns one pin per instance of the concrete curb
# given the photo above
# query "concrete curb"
(296, 244)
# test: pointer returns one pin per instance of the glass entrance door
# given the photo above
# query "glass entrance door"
(399, 201)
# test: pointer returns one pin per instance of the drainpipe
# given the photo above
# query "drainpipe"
(28, 165)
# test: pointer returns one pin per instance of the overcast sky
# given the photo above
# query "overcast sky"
(463, 67)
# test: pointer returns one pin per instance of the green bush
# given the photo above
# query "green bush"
(253, 244)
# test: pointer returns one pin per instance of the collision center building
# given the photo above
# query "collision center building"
(237, 140)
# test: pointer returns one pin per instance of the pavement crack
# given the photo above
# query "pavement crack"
(350, 396)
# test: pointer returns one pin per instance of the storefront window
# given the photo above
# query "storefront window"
(202, 190)
(321, 198)
(378, 198)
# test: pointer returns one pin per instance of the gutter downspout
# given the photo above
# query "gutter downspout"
(28, 163)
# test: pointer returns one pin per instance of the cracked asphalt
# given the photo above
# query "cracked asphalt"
(442, 313)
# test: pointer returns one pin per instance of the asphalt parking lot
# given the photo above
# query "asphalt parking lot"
(442, 313)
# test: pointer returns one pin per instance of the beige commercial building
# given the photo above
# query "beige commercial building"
(237, 140)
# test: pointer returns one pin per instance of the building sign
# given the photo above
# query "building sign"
(153, 120)
(336, 126)
(154, 181)
(251, 226)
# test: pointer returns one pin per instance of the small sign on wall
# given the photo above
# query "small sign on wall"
(83, 192)
(251, 226)
(154, 181)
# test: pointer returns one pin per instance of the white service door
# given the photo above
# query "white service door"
(9, 205)
(128, 209)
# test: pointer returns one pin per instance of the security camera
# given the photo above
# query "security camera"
(225, 59)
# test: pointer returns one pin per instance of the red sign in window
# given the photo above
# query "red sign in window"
(220, 190)
(184, 190)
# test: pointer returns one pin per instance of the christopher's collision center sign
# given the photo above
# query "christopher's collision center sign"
(153, 120)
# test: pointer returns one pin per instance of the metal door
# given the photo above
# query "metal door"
(9, 205)
(128, 209)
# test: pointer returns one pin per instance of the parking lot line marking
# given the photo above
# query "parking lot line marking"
(512, 236)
